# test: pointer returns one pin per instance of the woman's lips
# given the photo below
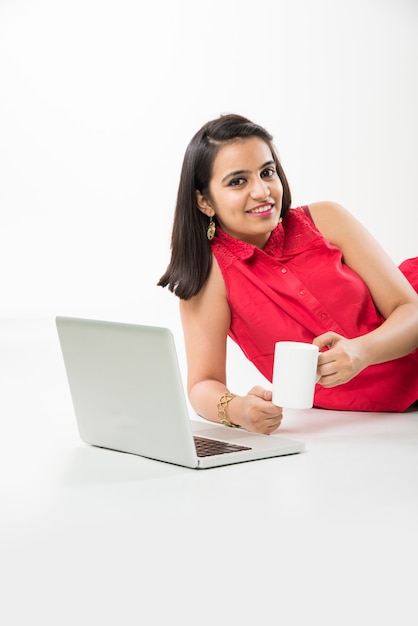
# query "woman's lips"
(263, 209)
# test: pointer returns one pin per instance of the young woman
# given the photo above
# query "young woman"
(246, 264)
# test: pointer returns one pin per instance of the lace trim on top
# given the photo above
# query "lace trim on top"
(295, 232)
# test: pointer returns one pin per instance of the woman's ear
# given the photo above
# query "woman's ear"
(204, 204)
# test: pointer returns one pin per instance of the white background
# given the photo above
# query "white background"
(98, 100)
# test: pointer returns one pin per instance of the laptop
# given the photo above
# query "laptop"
(128, 396)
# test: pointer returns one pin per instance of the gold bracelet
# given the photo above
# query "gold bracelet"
(223, 403)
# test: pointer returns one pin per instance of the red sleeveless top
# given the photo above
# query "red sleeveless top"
(297, 288)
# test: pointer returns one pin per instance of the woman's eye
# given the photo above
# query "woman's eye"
(268, 172)
(237, 181)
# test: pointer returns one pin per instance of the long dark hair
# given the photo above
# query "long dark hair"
(191, 255)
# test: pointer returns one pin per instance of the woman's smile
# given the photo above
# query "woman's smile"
(263, 210)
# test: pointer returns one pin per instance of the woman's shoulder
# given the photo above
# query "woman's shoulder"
(208, 309)
(325, 207)
(333, 221)
(317, 210)
(213, 289)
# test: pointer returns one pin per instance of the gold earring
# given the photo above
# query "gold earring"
(210, 233)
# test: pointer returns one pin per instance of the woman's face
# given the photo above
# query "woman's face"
(245, 191)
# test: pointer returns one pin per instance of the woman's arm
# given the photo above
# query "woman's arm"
(392, 294)
(206, 320)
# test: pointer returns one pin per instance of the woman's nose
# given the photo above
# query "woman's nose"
(260, 189)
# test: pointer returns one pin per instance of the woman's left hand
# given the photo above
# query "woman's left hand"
(341, 359)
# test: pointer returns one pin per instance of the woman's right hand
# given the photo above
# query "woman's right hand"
(255, 412)
(206, 319)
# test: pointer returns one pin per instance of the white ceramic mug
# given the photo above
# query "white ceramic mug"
(294, 374)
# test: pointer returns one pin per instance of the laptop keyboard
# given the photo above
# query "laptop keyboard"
(209, 447)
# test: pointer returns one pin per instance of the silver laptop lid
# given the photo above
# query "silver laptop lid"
(127, 389)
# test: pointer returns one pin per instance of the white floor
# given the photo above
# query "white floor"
(90, 536)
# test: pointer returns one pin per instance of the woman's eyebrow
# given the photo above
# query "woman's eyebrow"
(240, 172)
(236, 173)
